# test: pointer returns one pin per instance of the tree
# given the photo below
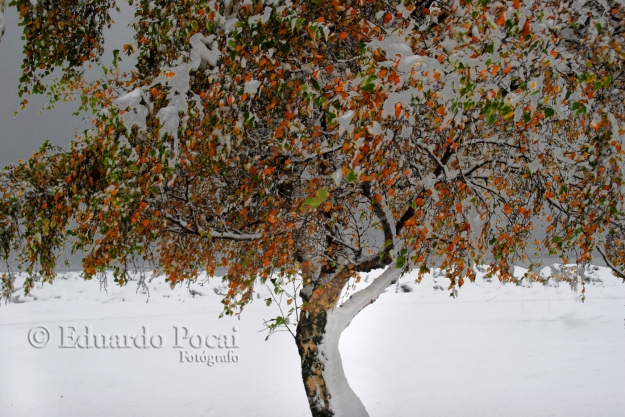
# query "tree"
(324, 138)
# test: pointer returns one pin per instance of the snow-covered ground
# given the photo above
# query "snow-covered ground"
(496, 350)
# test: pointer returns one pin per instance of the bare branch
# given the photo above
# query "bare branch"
(613, 267)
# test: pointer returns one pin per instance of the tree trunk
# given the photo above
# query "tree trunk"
(327, 389)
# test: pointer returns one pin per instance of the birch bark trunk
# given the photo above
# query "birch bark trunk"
(327, 389)
(318, 333)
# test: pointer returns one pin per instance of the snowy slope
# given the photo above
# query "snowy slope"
(496, 350)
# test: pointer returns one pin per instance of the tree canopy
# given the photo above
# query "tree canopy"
(325, 138)
(253, 135)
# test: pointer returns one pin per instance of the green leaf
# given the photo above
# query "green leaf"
(367, 88)
(549, 112)
(321, 196)
(527, 117)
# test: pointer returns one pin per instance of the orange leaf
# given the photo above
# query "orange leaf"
(507, 209)
(526, 28)
(398, 107)
(502, 20)
(343, 36)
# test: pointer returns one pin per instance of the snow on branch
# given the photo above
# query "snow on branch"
(184, 227)
(350, 308)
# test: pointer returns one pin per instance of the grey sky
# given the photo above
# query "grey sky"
(22, 135)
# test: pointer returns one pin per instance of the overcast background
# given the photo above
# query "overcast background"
(21, 136)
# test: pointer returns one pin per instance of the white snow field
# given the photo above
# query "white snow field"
(496, 350)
